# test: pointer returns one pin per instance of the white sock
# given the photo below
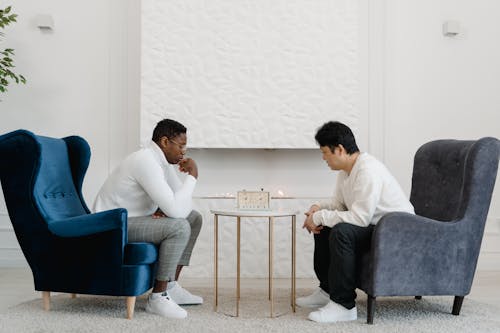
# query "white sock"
(171, 284)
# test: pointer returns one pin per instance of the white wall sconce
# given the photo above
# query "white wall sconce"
(451, 28)
(44, 22)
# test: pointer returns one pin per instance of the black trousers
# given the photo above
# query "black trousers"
(336, 254)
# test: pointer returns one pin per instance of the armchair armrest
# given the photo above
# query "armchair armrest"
(88, 251)
(89, 224)
(411, 253)
(398, 229)
(411, 238)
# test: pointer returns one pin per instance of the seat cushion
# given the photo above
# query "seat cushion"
(140, 253)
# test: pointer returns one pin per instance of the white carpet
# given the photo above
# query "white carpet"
(106, 314)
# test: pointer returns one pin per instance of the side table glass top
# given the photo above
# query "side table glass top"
(254, 213)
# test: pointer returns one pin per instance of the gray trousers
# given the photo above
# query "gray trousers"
(175, 237)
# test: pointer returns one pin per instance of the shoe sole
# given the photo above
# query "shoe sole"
(335, 321)
(148, 310)
(311, 306)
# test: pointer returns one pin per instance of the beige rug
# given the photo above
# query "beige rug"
(106, 314)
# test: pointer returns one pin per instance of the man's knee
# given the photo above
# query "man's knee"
(183, 228)
(341, 232)
(195, 219)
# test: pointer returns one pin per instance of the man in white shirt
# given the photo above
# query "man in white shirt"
(364, 192)
(160, 210)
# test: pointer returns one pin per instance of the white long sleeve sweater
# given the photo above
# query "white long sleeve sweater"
(364, 196)
(145, 181)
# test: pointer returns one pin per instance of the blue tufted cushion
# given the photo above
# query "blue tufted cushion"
(140, 253)
(54, 191)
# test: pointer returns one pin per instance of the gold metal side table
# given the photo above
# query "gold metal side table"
(271, 215)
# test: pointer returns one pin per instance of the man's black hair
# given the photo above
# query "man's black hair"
(334, 133)
(169, 128)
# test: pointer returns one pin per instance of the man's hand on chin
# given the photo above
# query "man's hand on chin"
(188, 165)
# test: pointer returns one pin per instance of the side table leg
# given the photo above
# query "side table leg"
(269, 261)
(293, 261)
(238, 233)
(216, 276)
(271, 247)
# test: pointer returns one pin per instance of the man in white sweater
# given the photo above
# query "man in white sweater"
(160, 210)
(364, 192)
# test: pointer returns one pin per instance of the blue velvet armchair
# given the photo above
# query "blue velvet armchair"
(67, 248)
(434, 252)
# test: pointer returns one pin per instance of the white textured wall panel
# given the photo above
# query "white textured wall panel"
(250, 74)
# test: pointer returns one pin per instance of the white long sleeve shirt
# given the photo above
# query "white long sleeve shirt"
(145, 181)
(363, 196)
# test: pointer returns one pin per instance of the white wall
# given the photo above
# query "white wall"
(67, 73)
(413, 87)
(79, 77)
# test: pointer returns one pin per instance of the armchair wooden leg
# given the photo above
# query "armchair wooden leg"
(370, 309)
(418, 297)
(130, 306)
(73, 295)
(46, 300)
(457, 305)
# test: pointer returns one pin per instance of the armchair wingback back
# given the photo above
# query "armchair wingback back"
(452, 178)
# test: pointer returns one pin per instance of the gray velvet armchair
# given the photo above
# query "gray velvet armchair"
(434, 252)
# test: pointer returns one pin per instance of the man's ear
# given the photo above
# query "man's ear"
(342, 150)
(163, 141)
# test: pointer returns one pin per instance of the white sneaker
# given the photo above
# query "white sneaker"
(317, 299)
(181, 296)
(166, 307)
(333, 312)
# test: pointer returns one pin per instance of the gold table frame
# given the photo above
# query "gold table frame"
(270, 214)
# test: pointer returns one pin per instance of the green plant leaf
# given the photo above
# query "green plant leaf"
(7, 56)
